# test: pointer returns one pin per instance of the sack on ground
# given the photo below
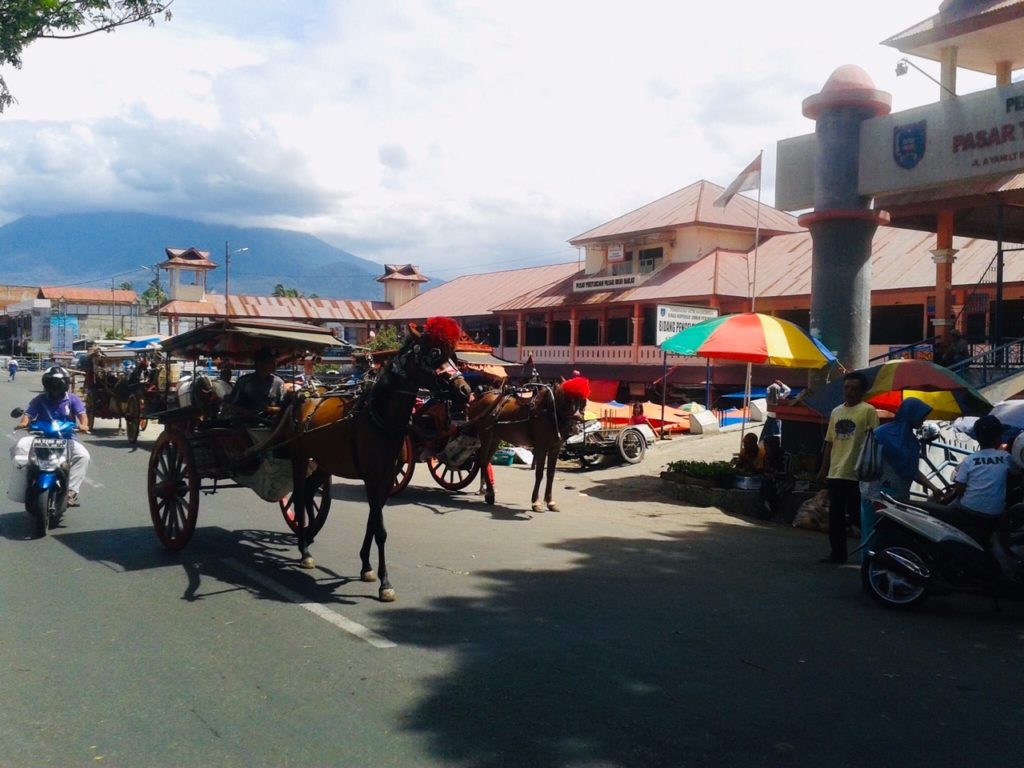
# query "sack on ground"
(813, 513)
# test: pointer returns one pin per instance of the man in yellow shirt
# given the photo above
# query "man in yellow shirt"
(848, 426)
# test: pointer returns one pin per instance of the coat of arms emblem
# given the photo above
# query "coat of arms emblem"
(908, 143)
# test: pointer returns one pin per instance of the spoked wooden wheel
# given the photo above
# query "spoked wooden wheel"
(453, 478)
(132, 417)
(319, 490)
(173, 490)
(404, 468)
(90, 410)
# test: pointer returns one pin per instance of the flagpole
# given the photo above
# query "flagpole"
(753, 293)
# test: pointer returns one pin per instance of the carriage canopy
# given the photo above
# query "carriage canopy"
(238, 341)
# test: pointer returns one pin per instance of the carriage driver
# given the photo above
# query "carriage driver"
(57, 403)
(259, 393)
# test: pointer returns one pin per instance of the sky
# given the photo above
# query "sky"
(459, 136)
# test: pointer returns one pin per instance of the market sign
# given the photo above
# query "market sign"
(39, 347)
(673, 318)
(609, 283)
(973, 136)
(616, 253)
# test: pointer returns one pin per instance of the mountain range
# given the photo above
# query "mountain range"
(93, 249)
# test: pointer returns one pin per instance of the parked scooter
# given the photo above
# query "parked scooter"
(912, 555)
(40, 479)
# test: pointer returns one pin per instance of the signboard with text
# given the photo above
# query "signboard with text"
(39, 347)
(673, 318)
(972, 136)
(616, 253)
(608, 283)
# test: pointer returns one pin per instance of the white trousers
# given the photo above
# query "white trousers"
(79, 460)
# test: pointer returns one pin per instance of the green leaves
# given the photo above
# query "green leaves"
(24, 21)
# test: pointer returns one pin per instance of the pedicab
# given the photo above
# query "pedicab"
(200, 451)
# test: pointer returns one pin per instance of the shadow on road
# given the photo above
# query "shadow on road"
(272, 554)
(707, 647)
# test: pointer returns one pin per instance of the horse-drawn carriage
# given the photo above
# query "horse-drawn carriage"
(199, 452)
(117, 385)
(290, 457)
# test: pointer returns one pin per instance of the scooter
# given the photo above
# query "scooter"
(46, 471)
(912, 555)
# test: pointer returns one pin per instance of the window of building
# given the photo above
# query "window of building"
(560, 333)
(624, 267)
(618, 330)
(588, 331)
(650, 260)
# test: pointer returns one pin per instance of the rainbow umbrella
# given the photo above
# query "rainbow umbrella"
(751, 337)
(948, 394)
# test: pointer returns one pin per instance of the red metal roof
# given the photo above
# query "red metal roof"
(692, 206)
(321, 310)
(476, 295)
(91, 295)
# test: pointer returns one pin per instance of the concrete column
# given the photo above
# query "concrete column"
(573, 325)
(947, 74)
(602, 327)
(944, 255)
(1004, 73)
(638, 331)
(501, 331)
(842, 225)
(520, 335)
(549, 330)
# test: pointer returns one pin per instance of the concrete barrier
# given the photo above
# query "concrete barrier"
(703, 423)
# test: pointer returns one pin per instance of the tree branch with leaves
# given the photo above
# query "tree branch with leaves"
(22, 22)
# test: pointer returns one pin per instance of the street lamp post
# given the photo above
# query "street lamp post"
(155, 269)
(228, 253)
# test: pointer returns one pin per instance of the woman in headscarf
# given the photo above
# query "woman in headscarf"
(901, 454)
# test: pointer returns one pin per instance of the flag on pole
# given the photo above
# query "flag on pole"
(749, 178)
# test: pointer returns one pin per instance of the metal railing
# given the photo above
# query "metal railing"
(923, 348)
(993, 364)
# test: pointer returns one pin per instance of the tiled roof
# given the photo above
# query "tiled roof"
(91, 295)
(281, 308)
(476, 295)
(693, 206)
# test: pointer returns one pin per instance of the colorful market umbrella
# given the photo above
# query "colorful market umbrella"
(751, 337)
(949, 395)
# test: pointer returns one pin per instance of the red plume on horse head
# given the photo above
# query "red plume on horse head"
(443, 331)
(577, 387)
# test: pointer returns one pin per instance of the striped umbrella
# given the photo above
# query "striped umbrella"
(751, 337)
(948, 394)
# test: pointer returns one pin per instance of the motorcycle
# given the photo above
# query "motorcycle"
(45, 472)
(912, 555)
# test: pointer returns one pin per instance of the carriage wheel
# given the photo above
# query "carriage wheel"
(453, 478)
(132, 419)
(173, 490)
(320, 488)
(90, 410)
(404, 468)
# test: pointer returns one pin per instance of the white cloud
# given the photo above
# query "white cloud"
(453, 134)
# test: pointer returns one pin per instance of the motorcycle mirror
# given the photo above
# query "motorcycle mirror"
(17, 413)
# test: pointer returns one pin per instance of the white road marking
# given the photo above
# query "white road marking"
(92, 483)
(325, 613)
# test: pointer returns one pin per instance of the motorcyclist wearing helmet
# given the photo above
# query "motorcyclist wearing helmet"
(57, 403)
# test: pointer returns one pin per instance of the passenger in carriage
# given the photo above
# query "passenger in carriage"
(257, 394)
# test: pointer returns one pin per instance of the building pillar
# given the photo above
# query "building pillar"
(947, 74)
(602, 328)
(638, 331)
(520, 335)
(1004, 73)
(943, 255)
(549, 328)
(501, 331)
(573, 324)
(842, 224)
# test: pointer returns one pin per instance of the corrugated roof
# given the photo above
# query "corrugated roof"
(900, 259)
(91, 295)
(692, 206)
(320, 310)
(476, 295)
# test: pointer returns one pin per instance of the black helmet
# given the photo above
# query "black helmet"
(56, 381)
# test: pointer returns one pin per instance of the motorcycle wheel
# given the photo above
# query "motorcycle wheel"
(37, 503)
(891, 587)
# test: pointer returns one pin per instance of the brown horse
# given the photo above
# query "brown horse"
(541, 422)
(363, 439)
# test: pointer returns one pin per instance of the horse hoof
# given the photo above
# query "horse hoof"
(552, 506)
(368, 576)
(489, 499)
(307, 562)
(538, 507)
(387, 595)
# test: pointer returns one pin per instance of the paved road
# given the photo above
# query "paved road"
(621, 631)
